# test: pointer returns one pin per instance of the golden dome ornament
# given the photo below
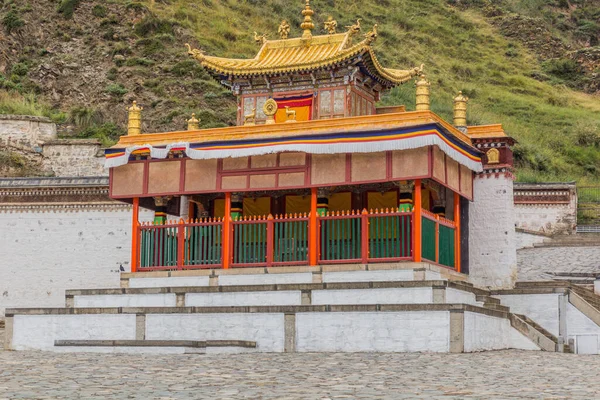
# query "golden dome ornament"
(270, 109)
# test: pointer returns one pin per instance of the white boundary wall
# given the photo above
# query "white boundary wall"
(45, 253)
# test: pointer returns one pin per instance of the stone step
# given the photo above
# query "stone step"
(155, 346)
(488, 299)
(347, 293)
(404, 271)
(370, 328)
(494, 306)
(534, 332)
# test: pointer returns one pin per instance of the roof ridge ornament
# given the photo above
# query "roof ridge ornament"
(372, 34)
(196, 53)
(331, 25)
(307, 26)
(284, 29)
(260, 39)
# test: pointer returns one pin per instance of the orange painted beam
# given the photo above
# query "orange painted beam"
(227, 232)
(312, 237)
(457, 232)
(417, 239)
(135, 222)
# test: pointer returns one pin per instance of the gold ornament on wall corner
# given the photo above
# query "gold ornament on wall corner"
(134, 124)
(270, 109)
(193, 123)
(423, 93)
(284, 29)
(460, 110)
(493, 156)
(331, 25)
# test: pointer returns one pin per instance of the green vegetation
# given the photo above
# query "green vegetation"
(14, 103)
(12, 21)
(67, 8)
(519, 61)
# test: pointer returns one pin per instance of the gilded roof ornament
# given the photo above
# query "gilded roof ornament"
(354, 29)
(284, 29)
(134, 119)
(331, 25)
(460, 110)
(270, 109)
(260, 39)
(193, 123)
(196, 53)
(372, 34)
(307, 26)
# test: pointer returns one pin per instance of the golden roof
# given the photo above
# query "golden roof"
(307, 55)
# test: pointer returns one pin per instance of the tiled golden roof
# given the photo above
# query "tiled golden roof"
(302, 55)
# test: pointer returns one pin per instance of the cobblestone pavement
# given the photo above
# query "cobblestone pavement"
(535, 263)
(491, 375)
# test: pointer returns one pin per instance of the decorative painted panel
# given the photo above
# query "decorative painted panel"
(128, 180)
(369, 166)
(324, 103)
(410, 163)
(200, 175)
(338, 102)
(328, 168)
(164, 177)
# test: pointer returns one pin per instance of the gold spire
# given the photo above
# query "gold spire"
(460, 110)
(423, 93)
(134, 125)
(284, 29)
(307, 26)
(193, 123)
(330, 25)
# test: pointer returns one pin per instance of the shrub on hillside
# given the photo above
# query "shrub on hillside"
(20, 69)
(116, 90)
(562, 68)
(152, 25)
(67, 7)
(12, 21)
(99, 11)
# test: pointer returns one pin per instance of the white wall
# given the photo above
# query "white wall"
(411, 331)
(492, 250)
(525, 240)
(44, 253)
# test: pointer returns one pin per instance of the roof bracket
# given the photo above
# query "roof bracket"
(314, 78)
(268, 82)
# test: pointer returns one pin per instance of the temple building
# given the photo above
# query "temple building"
(315, 172)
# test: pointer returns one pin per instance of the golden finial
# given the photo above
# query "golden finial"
(134, 125)
(423, 93)
(460, 110)
(260, 39)
(270, 109)
(307, 26)
(330, 25)
(193, 123)
(284, 29)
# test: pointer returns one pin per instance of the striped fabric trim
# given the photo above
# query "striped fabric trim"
(346, 142)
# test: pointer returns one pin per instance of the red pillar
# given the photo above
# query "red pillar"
(227, 232)
(417, 222)
(457, 232)
(135, 222)
(313, 246)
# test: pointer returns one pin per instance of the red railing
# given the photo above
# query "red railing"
(341, 237)
(438, 239)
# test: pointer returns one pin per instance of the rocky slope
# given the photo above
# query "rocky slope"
(530, 65)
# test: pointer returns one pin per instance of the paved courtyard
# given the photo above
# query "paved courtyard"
(491, 375)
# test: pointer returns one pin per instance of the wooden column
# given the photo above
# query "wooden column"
(227, 232)
(417, 239)
(313, 246)
(457, 232)
(135, 222)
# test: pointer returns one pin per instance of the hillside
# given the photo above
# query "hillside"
(532, 65)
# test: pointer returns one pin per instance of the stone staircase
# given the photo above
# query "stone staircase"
(405, 307)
